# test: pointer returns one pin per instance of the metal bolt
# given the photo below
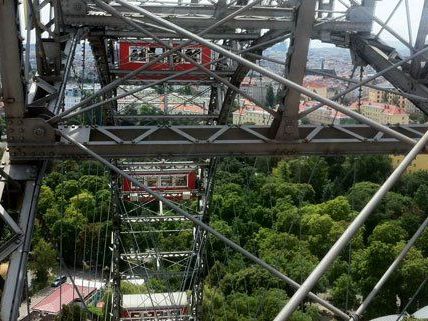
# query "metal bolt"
(39, 131)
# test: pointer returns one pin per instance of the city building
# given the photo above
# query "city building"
(323, 86)
(379, 96)
(175, 105)
(420, 162)
(317, 87)
(255, 87)
(384, 113)
(249, 113)
(73, 93)
(325, 115)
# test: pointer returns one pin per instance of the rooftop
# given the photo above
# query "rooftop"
(328, 111)
(386, 108)
(249, 107)
(64, 294)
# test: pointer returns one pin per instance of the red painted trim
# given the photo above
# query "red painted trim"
(125, 64)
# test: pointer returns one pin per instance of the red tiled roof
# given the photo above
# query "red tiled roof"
(62, 295)
(314, 84)
(248, 106)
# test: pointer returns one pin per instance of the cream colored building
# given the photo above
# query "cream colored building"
(420, 162)
(318, 88)
(384, 113)
(380, 96)
(251, 114)
(325, 115)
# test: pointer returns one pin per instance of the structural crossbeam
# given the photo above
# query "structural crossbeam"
(156, 255)
(211, 141)
(198, 23)
(156, 219)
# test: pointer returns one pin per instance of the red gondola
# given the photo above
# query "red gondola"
(157, 306)
(133, 55)
(175, 180)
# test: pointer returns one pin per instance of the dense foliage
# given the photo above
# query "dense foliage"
(288, 212)
(73, 219)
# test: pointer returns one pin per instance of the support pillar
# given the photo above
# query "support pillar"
(286, 126)
(15, 279)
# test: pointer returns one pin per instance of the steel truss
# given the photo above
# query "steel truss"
(191, 261)
(208, 141)
(33, 107)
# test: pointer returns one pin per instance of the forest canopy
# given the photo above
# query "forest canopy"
(288, 212)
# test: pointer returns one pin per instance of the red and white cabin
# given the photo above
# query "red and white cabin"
(132, 55)
(175, 180)
(172, 306)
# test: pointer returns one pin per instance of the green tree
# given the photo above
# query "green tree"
(288, 218)
(412, 272)
(411, 182)
(361, 193)
(344, 292)
(67, 229)
(282, 171)
(310, 170)
(46, 199)
(270, 96)
(368, 266)
(103, 201)
(67, 189)
(93, 183)
(286, 252)
(71, 312)
(90, 167)
(371, 168)
(389, 232)
(53, 179)
(338, 209)
(43, 260)
(66, 166)
(421, 198)
(85, 204)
